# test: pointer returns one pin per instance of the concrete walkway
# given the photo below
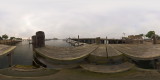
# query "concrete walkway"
(80, 74)
(19, 72)
(107, 68)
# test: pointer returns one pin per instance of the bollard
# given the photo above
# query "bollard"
(34, 41)
(158, 66)
(98, 40)
(10, 59)
(78, 40)
(40, 39)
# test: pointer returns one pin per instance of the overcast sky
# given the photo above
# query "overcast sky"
(87, 18)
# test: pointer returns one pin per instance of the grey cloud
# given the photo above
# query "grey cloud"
(69, 18)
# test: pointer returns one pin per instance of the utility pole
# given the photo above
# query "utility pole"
(106, 40)
(124, 34)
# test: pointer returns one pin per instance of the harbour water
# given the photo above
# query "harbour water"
(58, 43)
(23, 54)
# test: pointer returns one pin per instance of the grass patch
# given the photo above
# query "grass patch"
(25, 66)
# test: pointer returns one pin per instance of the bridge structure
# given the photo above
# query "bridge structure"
(102, 40)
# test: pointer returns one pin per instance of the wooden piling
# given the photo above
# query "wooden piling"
(78, 40)
(40, 39)
(34, 44)
(158, 66)
(10, 59)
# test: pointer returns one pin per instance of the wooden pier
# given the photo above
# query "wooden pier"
(7, 51)
(64, 55)
(109, 68)
(143, 55)
(139, 51)
(116, 56)
(105, 54)
(102, 40)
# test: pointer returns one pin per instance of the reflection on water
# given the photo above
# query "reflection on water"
(58, 43)
(4, 62)
(23, 54)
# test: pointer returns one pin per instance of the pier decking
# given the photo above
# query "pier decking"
(105, 54)
(4, 49)
(108, 69)
(28, 72)
(106, 59)
(96, 55)
(106, 51)
(100, 55)
(65, 55)
(139, 51)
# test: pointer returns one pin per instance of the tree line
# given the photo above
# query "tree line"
(150, 34)
(5, 37)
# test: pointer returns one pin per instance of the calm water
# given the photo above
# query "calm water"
(23, 54)
(58, 43)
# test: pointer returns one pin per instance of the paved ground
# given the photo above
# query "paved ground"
(80, 74)
(108, 68)
(17, 72)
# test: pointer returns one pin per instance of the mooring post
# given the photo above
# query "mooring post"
(34, 41)
(98, 40)
(40, 39)
(10, 58)
(158, 66)
(78, 40)
(106, 47)
(154, 64)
